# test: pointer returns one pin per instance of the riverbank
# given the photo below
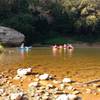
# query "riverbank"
(76, 44)
(30, 85)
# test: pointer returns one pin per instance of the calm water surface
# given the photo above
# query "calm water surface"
(81, 64)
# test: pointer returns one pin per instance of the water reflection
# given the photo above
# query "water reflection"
(1, 56)
(54, 52)
(24, 52)
(57, 61)
(70, 52)
(6, 53)
(62, 52)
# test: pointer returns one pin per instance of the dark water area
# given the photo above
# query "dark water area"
(82, 64)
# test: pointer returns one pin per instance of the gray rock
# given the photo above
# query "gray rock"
(10, 36)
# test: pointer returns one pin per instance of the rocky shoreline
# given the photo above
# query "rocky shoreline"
(26, 85)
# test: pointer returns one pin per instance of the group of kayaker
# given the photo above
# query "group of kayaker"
(65, 46)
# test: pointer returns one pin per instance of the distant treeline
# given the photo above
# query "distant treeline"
(43, 21)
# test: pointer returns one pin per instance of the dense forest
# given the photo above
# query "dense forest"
(53, 21)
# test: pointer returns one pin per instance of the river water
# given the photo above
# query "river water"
(82, 64)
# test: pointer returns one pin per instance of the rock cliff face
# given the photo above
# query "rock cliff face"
(10, 36)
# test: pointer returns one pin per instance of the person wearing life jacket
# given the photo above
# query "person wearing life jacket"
(54, 47)
(70, 47)
(65, 46)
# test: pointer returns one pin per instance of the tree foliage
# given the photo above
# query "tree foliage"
(41, 20)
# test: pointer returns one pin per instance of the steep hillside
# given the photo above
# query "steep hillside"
(41, 20)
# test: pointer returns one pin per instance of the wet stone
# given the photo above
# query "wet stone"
(34, 84)
(67, 80)
(16, 96)
(44, 77)
(1, 92)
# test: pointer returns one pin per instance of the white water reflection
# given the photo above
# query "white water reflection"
(22, 53)
(62, 52)
(70, 52)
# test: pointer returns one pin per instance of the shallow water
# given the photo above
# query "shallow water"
(82, 64)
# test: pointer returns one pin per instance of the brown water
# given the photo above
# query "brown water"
(82, 64)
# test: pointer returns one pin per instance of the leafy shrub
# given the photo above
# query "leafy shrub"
(59, 40)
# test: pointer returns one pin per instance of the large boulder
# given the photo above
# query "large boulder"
(10, 36)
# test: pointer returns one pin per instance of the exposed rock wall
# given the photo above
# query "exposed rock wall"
(10, 36)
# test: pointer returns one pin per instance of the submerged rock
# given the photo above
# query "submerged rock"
(17, 77)
(38, 89)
